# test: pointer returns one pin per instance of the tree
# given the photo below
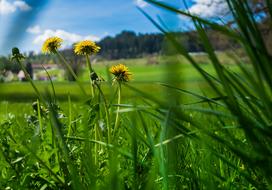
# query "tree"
(29, 69)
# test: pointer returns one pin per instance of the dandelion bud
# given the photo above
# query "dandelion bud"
(16, 55)
(15, 51)
(94, 76)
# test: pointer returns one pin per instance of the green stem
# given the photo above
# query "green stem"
(106, 106)
(95, 145)
(88, 62)
(118, 108)
(89, 65)
(71, 71)
(96, 132)
(70, 116)
(30, 80)
(51, 82)
(40, 118)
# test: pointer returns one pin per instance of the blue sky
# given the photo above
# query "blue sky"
(27, 23)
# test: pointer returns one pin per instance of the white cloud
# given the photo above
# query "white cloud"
(68, 38)
(209, 8)
(23, 6)
(140, 3)
(7, 7)
(34, 30)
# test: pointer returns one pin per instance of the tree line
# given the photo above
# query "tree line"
(131, 45)
(128, 44)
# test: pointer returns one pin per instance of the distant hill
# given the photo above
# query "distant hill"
(128, 44)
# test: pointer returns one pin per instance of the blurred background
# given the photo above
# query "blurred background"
(124, 34)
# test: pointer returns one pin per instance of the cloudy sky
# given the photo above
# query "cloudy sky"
(27, 23)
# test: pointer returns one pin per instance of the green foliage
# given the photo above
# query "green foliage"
(5, 64)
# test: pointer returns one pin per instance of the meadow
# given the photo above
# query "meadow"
(16, 107)
(189, 122)
(18, 96)
(171, 69)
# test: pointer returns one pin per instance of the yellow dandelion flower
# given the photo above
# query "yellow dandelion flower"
(51, 45)
(86, 47)
(121, 73)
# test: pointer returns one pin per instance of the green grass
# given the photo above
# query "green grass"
(167, 65)
(17, 97)
(169, 69)
(48, 151)
(192, 132)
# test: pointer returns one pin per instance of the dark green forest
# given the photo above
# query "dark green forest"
(131, 45)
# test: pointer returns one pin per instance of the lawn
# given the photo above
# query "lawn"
(169, 70)
(16, 97)
(168, 128)
(117, 147)
(148, 78)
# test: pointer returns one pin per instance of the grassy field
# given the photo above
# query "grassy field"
(79, 144)
(169, 70)
(16, 109)
(168, 128)
(18, 96)
(203, 130)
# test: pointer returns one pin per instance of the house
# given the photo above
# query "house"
(21, 75)
(39, 72)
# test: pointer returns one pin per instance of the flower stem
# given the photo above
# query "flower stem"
(70, 116)
(40, 118)
(88, 62)
(71, 71)
(106, 106)
(31, 81)
(118, 108)
(95, 145)
(89, 65)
